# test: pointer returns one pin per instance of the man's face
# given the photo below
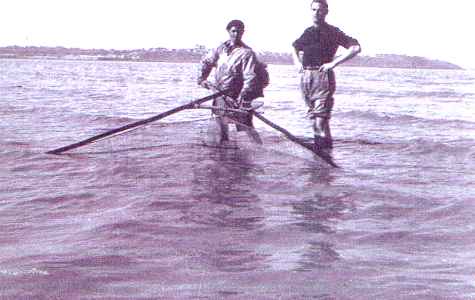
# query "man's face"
(235, 34)
(319, 12)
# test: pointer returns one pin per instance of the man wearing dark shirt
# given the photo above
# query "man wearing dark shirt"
(315, 52)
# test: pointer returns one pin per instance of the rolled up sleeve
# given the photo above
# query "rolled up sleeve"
(344, 40)
(249, 77)
(207, 63)
(299, 43)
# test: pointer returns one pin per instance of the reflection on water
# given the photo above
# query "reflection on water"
(228, 190)
(318, 214)
(228, 205)
(317, 255)
(224, 180)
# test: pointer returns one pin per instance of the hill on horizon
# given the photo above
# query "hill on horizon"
(194, 55)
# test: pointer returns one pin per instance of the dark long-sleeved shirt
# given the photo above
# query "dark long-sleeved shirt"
(319, 45)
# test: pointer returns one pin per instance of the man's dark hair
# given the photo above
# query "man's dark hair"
(235, 23)
(322, 2)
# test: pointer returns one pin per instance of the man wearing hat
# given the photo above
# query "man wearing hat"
(315, 52)
(235, 72)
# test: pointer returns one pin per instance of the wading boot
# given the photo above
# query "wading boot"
(328, 143)
(318, 143)
(321, 143)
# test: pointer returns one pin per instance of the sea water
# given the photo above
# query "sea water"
(153, 214)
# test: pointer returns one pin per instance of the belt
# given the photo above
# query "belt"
(311, 68)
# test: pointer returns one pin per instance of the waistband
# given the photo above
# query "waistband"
(311, 68)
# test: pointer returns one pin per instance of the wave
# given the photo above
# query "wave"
(23, 272)
(428, 95)
(425, 146)
(117, 121)
(391, 118)
(366, 115)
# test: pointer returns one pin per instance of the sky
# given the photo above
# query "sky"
(434, 29)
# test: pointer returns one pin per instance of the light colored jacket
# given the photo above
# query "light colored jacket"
(235, 69)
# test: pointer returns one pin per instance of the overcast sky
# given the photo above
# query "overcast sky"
(431, 28)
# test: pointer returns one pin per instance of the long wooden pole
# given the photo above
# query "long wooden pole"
(135, 124)
(320, 153)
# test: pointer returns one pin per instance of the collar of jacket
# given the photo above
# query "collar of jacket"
(228, 47)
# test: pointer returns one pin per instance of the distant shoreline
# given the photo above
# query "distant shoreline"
(194, 55)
